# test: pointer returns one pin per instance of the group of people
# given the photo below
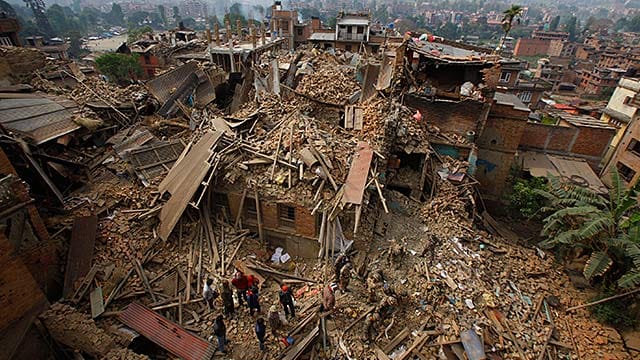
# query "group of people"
(248, 294)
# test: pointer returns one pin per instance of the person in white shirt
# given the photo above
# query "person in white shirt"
(209, 293)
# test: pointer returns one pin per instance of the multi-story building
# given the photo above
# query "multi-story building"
(194, 9)
(595, 81)
(561, 48)
(55, 48)
(531, 47)
(9, 28)
(284, 24)
(622, 111)
(352, 30)
(550, 35)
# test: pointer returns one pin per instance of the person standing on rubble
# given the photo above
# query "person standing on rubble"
(345, 277)
(286, 299)
(328, 298)
(252, 283)
(261, 331)
(253, 301)
(274, 320)
(220, 331)
(241, 283)
(341, 261)
(209, 293)
(370, 324)
(227, 299)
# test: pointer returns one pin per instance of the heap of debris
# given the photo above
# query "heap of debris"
(202, 194)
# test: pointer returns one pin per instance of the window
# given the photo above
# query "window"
(360, 29)
(525, 96)
(626, 100)
(299, 30)
(347, 47)
(250, 211)
(626, 172)
(634, 146)
(287, 216)
(505, 76)
(221, 203)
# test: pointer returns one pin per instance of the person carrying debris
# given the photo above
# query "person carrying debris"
(374, 284)
(328, 298)
(241, 283)
(220, 331)
(386, 307)
(274, 320)
(286, 299)
(396, 253)
(253, 301)
(341, 261)
(209, 293)
(370, 324)
(227, 299)
(345, 276)
(261, 331)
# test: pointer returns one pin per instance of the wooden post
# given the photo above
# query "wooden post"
(258, 214)
(216, 33)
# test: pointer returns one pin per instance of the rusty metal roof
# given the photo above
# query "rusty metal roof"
(358, 173)
(163, 86)
(167, 334)
(38, 119)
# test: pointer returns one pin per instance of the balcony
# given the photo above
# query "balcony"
(350, 37)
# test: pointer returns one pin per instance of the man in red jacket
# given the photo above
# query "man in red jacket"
(241, 283)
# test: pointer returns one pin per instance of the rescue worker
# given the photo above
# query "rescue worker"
(227, 299)
(386, 307)
(261, 331)
(220, 331)
(209, 293)
(253, 301)
(370, 324)
(341, 261)
(241, 283)
(345, 277)
(374, 284)
(286, 299)
(396, 253)
(328, 298)
(274, 320)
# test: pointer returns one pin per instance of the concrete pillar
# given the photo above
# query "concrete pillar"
(239, 29)
(208, 31)
(263, 36)
(252, 33)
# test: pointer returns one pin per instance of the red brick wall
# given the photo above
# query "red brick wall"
(531, 47)
(19, 293)
(458, 118)
(592, 142)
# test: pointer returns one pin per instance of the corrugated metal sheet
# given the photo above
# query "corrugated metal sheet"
(166, 334)
(163, 86)
(38, 119)
(575, 171)
(153, 160)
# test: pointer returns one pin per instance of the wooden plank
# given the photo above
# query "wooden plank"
(83, 237)
(297, 349)
(307, 157)
(97, 302)
(358, 116)
(356, 181)
(348, 117)
(85, 285)
(379, 353)
(417, 344)
(397, 340)
(186, 184)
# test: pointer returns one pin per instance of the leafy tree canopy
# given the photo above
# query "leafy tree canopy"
(119, 68)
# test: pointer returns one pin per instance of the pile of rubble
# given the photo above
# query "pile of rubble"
(437, 274)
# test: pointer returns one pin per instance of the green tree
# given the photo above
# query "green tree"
(448, 31)
(75, 46)
(163, 15)
(525, 199)
(553, 26)
(634, 24)
(138, 18)
(607, 227)
(176, 15)
(571, 27)
(115, 16)
(119, 68)
(189, 22)
(510, 15)
(135, 33)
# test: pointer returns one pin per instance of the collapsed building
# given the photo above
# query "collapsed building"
(147, 191)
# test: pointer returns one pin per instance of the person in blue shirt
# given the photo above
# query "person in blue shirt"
(261, 330)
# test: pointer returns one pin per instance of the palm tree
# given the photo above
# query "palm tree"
(510, 15)
(607, 227)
